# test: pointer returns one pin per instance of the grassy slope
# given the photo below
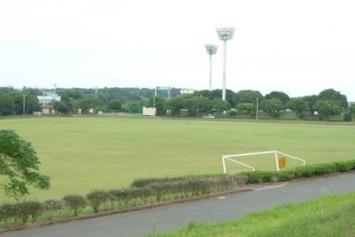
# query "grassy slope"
(83, 154)
(326, 217)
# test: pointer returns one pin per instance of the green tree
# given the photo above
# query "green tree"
(115, 105)
(272, 106)
(7, 105)
(311, 102)
(282, 96)
(160, 105)
(352, 108)
(19, 165)
(327, 108)
(61, 107)
(175, 104)
(220, 105)
(333, 95)
(246, 107)
(246, 96)
(299, 106)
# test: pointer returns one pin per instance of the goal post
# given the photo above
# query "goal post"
(277, 155)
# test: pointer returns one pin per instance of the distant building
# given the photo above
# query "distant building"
(163, 92)
(48, 98)
(149, 111)
(186, 91)
(46, 102)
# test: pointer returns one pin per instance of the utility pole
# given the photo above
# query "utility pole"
(257, 108)
(24, 104)
(225, 34)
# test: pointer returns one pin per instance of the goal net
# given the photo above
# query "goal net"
(247, 160)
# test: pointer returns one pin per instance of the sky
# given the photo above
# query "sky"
(299, 47)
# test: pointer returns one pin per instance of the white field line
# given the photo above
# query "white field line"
(271, 187)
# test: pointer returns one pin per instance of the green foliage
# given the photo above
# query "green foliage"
(220, 106)
(115, 105)
(327, 108)
(272, 106)
(75, 203)
(352, 108)
(175, 104)
(335, 96)
(246, 96)
(7, 105)
(348, 116)
(51, 206)
(299, 106)
(97, 198)
(159, 103)
(246, 107)
(133, 107)
(30, 209)
(282, 96)
(19, 165)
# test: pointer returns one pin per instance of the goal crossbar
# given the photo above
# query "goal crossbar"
(232, 157)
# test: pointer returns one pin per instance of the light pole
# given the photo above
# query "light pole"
(224, 34)
(211, 49)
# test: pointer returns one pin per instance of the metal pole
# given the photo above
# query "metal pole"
(257, 108)
(24, 104)
(224, 165)
(277, 161)
(224, 69)
(210, 72)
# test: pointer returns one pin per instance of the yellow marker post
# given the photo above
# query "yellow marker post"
(282, 162)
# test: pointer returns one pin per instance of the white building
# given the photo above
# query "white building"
(186, 91)
(48, 98)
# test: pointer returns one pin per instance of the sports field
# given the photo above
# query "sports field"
(84, 154)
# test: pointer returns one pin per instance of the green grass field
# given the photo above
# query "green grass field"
(325, 217)
(86, 153)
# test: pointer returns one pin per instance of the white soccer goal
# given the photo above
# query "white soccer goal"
(276, 154)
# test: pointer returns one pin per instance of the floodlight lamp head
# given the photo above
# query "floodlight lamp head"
(225, 33)
(211, 49)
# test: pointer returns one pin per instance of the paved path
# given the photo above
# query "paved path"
(140, 223)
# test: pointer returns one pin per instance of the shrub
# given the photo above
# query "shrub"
(51, 206)
(348, 117)
(29, 209)
(97, 198)
(314, 170)
(75, 202)
(7, 212)
(345, 166)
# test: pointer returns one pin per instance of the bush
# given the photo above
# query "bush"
(29, 209)
(75, 202)
(314, 170)
(97, 198)
(348, 117)
(345, 166)
(8, 212)
(51, 206)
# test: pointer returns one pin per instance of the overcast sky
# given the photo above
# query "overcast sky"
(300, 47)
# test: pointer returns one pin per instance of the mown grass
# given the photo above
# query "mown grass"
(326, 217)
(84, 154)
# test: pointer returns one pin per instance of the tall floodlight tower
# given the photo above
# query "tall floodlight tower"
(224, 34)
(211, 49)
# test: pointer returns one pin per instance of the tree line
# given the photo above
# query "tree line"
(326, 104)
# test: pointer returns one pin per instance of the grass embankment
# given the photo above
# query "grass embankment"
(326, 217)
(105, 153)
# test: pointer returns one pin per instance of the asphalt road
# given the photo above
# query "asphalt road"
(140, 223)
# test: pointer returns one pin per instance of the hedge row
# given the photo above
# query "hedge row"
(121, 198)
(299, 172)
(269, 176)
